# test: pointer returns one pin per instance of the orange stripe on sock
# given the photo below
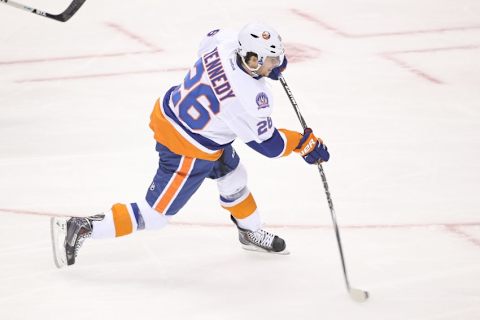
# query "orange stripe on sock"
(244, 208)
(122, 220)
(178, 178)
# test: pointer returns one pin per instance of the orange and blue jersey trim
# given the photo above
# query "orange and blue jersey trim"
(280, 144)
(170, 132)
(292, 140)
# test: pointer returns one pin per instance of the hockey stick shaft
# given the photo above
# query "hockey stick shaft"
(64, 16)
(324, 180)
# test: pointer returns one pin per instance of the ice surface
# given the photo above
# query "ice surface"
(393, 89)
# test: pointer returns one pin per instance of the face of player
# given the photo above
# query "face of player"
(266, 68)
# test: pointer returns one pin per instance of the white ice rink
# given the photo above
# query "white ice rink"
(393, 87)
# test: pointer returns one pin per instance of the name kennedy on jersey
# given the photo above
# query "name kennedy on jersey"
(217, 76)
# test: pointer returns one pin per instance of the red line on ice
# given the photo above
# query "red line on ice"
(390, 56)
(79, 57)
(338, 31)
(100, 75)
(408, 67)
(439, 49)
(293, 226)
(131, 35)
(319, 22)
(455, 229)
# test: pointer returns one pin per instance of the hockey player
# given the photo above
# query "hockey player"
(224, 95)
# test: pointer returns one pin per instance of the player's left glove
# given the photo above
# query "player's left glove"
(312, 148)
(277, 71)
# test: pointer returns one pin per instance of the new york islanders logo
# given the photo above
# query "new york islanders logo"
(262, 100)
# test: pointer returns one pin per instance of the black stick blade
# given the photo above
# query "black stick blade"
(69, 12)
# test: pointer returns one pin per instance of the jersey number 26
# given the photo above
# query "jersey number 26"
(194, 98)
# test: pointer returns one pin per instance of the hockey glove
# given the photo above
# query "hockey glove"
(312, 148)
(277, 71)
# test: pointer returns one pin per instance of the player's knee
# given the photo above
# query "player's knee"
(233, 183)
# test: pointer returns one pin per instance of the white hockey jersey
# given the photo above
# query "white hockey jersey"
(217, 102)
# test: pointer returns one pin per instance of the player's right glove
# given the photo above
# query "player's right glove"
(277, 71)
(312, 148)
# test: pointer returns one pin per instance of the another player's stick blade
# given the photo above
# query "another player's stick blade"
(58, 231)
(358, 295)
(69, 12)
(258, 249)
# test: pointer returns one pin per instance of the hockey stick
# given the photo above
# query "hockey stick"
(356, 294)
(64, 16)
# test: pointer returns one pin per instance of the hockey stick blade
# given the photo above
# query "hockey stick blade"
(69, 12)
(358, 295)
(64, 16)
(58, 231)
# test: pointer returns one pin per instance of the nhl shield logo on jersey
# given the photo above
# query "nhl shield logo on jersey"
(262, 100)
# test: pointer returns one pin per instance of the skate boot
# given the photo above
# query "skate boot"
(260, 240)
(68, 236)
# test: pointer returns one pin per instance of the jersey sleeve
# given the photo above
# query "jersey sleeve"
(257, 130)
(280, 144)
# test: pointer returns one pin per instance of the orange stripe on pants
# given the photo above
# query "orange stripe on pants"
(243, 209)
(177, 181)
(122, 220)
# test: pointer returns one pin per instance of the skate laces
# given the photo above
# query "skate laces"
(80, 241)
(262, 238)
(84, 231)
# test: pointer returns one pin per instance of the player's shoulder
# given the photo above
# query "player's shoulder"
(226, 38)
(255, 96)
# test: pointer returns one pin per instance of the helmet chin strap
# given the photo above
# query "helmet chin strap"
(252, 70)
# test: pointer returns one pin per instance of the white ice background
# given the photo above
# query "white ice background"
(393, 88)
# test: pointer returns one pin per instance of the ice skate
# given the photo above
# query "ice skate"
(68, 236)
(260, 240)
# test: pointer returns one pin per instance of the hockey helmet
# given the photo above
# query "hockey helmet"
(261, 40)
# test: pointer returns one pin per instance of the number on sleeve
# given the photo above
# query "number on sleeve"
(263, 126)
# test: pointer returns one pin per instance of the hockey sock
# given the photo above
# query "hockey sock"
(252, 222)
(124, 219)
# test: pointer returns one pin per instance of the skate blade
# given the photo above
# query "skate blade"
(58, 231)
(258, 249)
